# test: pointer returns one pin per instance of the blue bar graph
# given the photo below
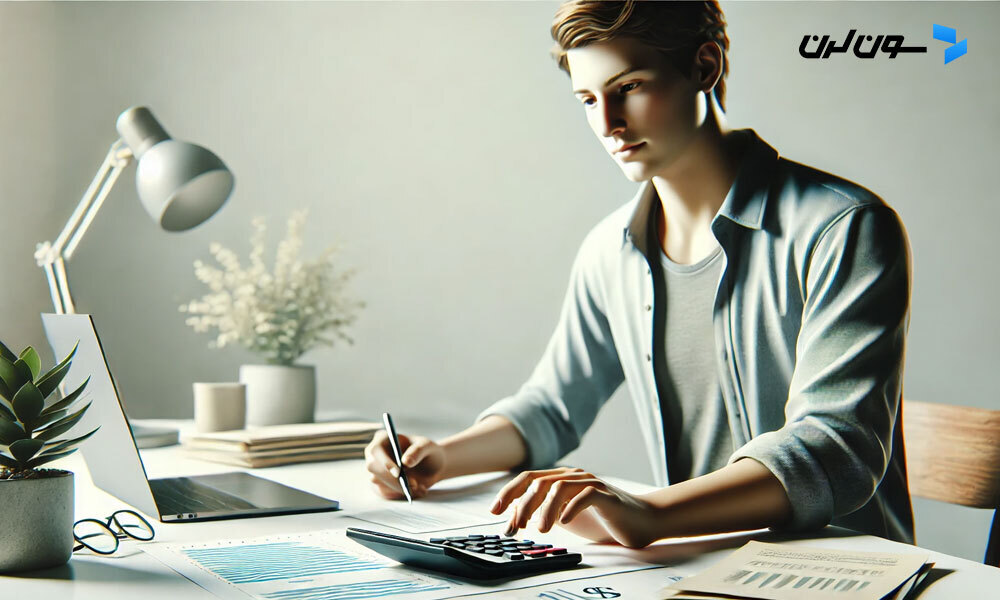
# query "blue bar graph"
(254, 563)
(357, 591)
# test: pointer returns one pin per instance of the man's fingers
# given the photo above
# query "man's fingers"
(415, 452)
(517, 486)
(418, 489)
(511, 527)
(588, 497)
(381, 464)
(377, 452)
(386, 491)
(539, 490)
(561, 494)
(389, 487)
(382, 477)
(531, 500)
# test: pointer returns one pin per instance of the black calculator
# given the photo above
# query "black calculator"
(473, 556)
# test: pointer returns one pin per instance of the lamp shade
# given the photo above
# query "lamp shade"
(180, 184)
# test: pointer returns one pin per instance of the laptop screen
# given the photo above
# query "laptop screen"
(111, 454)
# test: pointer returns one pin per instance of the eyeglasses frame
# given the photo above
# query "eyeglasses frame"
(119, 535)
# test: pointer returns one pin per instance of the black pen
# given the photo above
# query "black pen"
(396, 454)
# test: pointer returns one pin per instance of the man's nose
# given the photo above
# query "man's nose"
(611, 119)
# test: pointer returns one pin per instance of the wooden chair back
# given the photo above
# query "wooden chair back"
(953, 455)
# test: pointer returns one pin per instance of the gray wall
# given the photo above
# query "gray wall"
(440, 146)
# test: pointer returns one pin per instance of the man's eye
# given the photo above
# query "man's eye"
(587, 101)
(628, 87)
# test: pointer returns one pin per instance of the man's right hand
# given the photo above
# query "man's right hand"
(423, 459)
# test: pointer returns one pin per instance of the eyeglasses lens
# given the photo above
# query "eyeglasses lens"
(132, 525)
(95, 535)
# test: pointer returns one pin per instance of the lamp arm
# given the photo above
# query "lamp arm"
(54, 285)
(52, 256)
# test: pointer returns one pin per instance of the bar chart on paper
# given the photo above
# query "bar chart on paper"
(255, 563)
(314, 566)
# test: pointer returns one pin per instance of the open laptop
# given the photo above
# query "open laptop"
(114, 461)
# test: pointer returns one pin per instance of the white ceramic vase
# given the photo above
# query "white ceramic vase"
(36, 522)
(277, 394)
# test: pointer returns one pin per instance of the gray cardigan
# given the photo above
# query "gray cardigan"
(810, 321)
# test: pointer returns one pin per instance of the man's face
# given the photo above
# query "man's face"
(635, 99)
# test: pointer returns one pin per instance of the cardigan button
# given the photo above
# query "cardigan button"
(648, 358)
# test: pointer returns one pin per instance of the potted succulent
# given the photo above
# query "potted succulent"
(279, 314)
(36, 505)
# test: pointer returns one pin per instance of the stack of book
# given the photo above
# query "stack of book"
(274, 445)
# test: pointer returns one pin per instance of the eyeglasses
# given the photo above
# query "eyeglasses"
(103, 537)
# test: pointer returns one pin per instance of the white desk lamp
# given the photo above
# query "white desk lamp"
(180, 186)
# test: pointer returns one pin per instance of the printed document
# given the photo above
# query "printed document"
(776, 572)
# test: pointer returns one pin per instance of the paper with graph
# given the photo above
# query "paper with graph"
(780, 572)
(322, 565)
(326, 565)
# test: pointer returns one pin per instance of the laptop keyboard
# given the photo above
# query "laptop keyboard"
(182, 495)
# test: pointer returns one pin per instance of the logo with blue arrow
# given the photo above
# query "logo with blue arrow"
(947, 34)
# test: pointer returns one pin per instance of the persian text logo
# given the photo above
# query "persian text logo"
(888, 44)
(867, 47)
(947, 34)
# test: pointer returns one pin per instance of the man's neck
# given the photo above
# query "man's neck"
(692, 193)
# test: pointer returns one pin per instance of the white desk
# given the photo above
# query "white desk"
(130, 574)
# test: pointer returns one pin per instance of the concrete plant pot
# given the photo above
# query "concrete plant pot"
(36, 522)
(277, 395)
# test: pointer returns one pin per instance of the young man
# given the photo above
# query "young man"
(756, 309)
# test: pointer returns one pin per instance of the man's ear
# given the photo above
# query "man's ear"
(708, 66)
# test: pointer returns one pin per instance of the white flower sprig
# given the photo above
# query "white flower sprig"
(279, 315)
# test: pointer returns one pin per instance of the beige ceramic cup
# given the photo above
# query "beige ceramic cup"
(219, 406)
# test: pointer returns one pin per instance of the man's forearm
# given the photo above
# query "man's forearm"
(742, 496)
(493, 444)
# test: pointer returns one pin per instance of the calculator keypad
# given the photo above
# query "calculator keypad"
(504, 548)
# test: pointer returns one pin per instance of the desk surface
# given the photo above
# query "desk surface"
(131, 573)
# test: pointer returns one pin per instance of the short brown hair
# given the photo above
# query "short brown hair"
(677, 29)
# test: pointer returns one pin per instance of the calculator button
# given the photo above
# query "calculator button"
(458, 538)
(495, 552)
(476, 537)
(476, 549)
(438, 540)
(540, 546)
(507, 539)
(542, 552)
(526, 542)
(491, 537)
(456, 544)
(555, 551)
(514, 556)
